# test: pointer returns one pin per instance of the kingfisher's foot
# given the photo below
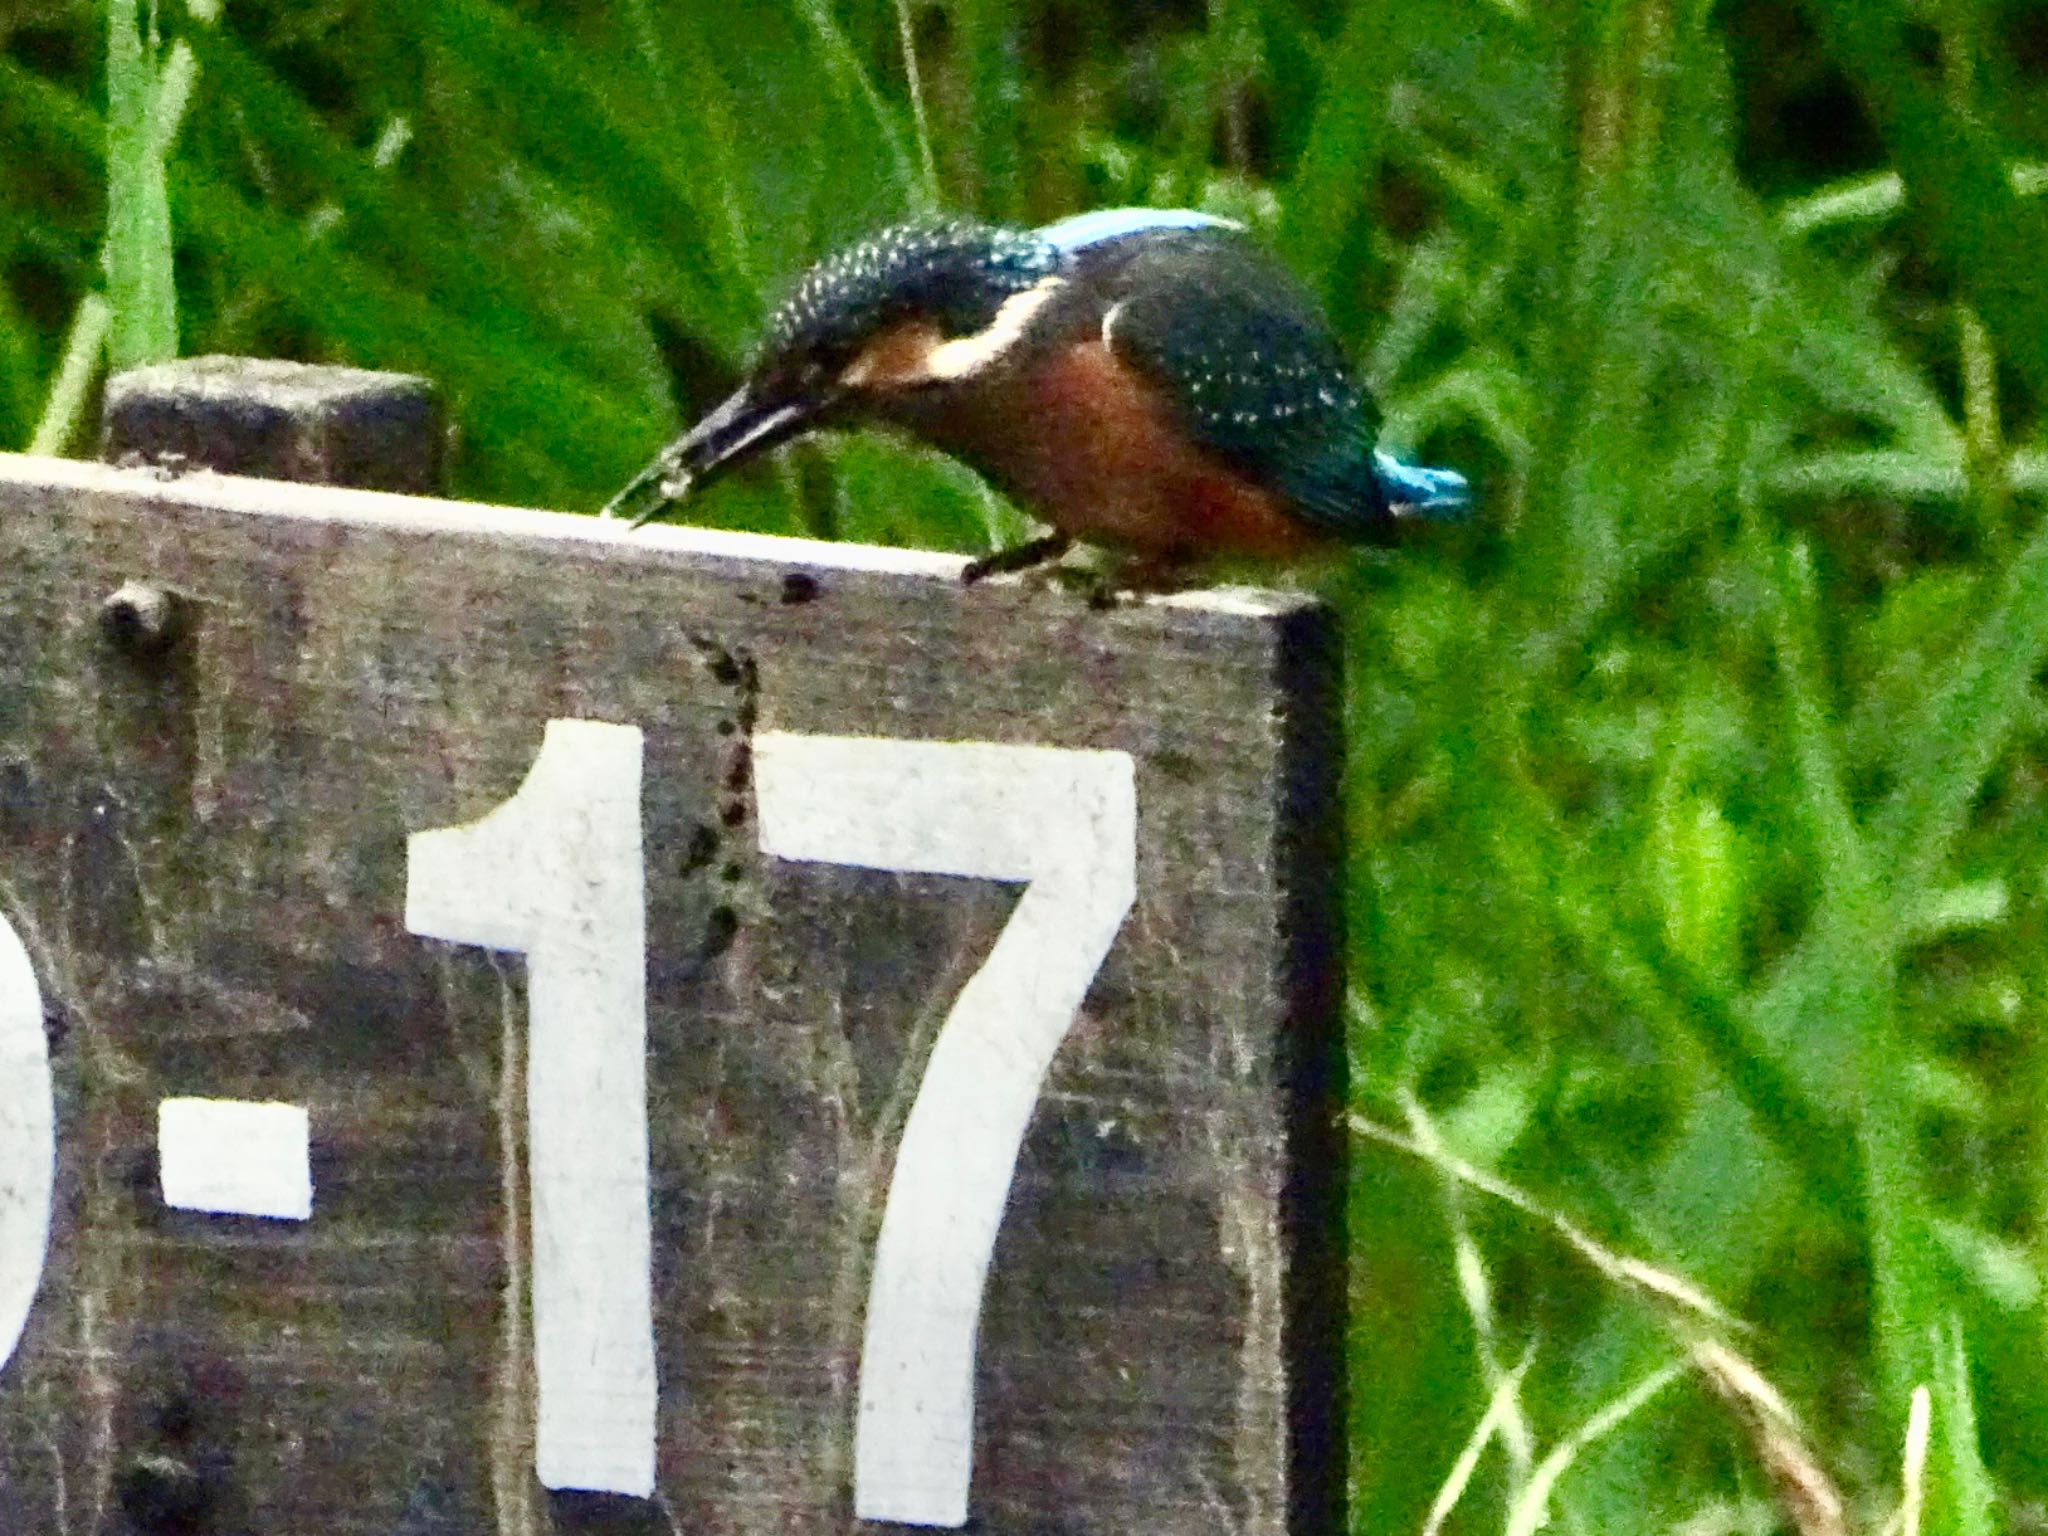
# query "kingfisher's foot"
(1145, 576)
(1121, 585)
(1093, 585)
(1018, 557)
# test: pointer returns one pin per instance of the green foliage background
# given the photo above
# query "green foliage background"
(1698, 799)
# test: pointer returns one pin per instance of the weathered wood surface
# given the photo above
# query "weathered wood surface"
(203, 845)
(281, 420)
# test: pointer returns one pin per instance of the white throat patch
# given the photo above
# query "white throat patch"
(964, 356)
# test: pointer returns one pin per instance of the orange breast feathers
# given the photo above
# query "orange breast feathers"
(1103, 454)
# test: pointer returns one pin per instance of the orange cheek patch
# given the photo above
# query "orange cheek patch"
(897, 357)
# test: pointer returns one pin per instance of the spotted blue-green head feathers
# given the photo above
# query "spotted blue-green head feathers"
(956, 274)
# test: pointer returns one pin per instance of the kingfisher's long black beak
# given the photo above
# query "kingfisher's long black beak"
(743, 427)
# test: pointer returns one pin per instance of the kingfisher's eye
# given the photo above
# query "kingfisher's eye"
(801, 373)
(825, 365)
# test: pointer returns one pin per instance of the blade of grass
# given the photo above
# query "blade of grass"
(1475, 1289)
(140, 284)
(709, 133)
(63, 417)
(176, 80)
(1501, 1407)
(1804, 1487)
(1854, 959)
(1869, 199)
(1646, 976)
(1954, 173)
(138, 244)
(672, 181)
(1532, 1511)
(1965, 1499)
(913, 79)
(20, 366)
(1333, 181)
(1672, 1298)
(1851, 919)
(518, 406)
(363, 308)
(1913, 1464)
(840, 63)
(990, 132)
(1967, 723)
(426, 246)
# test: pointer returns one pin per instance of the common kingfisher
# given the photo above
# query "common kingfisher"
(1145, 379)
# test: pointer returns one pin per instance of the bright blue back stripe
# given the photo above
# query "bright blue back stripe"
(1086, 229)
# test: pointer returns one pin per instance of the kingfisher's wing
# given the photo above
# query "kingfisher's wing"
(1246, 359)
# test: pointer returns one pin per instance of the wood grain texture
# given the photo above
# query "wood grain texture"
(203, 847)
(287, 421)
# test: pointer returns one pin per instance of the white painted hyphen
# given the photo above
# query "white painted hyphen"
(235, 1157)
(28, 1139)
(555, 873)
(1065, 823)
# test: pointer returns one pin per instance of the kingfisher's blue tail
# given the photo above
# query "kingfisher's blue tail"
(1414, 491)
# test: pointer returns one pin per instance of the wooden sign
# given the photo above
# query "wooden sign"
(512, 1025)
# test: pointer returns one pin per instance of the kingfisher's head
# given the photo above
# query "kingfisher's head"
(867, 332)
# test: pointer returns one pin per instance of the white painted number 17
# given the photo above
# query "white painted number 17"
(556, 873)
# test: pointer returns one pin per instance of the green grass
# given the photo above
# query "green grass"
(1698, 805)
(141, 287)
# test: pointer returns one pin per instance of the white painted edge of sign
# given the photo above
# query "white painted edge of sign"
(383, 509)
(235, 1157)
(28, 1139)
